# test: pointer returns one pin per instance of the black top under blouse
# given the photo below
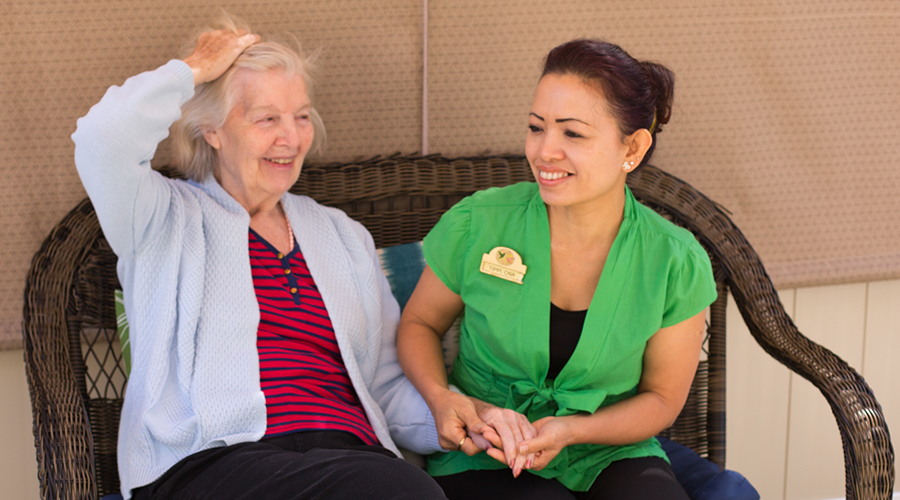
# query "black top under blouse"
(565, 330)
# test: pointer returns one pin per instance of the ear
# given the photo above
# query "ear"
(212, 138)
(638, 144)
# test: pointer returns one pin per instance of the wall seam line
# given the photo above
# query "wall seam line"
(424, 77)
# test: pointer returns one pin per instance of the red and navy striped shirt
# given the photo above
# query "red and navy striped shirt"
(301, 371)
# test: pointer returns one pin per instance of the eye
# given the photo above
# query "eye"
(302, 118)
(535, 129)
(574, 135)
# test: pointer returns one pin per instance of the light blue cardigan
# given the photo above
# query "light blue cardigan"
(189, 296)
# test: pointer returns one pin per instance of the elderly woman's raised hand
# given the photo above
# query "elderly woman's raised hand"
(216, 51)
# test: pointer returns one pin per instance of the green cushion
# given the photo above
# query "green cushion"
(122, 329)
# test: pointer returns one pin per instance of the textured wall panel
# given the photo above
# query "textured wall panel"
(59, 56)
(786, 112)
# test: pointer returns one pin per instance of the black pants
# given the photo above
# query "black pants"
(647, 478)
(303, 465)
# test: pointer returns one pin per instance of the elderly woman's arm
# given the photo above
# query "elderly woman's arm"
(670, 361)
(408, 418)
(116, 140)
(114, 144)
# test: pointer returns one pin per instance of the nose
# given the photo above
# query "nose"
(290, 133)
(550, 148)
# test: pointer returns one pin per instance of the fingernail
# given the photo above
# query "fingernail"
(510, 464)
(528, 465)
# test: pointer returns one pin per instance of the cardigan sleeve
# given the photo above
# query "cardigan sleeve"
(114, 144)
(408, 417)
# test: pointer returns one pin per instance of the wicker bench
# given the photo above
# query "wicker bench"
(77, 380)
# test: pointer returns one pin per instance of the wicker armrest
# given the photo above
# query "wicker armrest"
(868, 454)
(63, 442)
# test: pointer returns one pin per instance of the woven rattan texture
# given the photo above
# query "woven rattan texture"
(59, 57)
(786, 111)
(69, 297)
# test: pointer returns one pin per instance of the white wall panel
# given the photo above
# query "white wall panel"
(757, 407)
(18, 466)
(834, 317)
(882, 351)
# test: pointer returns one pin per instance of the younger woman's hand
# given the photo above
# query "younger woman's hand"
(458, 422)
(553, 434)
(511, 428)
(216, 51)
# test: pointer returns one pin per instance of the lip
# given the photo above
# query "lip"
(551, 171)
(278, 164)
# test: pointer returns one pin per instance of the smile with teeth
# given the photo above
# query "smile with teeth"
(552, 176)
(281, 161)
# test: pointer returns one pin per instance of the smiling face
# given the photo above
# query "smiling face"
(265, 137)
(574, 145)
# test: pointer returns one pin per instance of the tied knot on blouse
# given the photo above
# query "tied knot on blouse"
(539, 401)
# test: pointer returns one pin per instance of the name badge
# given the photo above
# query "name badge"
(503, 263)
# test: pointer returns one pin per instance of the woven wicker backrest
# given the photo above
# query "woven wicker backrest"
(77, 381)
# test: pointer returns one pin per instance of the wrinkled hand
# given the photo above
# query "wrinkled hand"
(456, 419)
(512, 428)
(216, 51)
(553, 434)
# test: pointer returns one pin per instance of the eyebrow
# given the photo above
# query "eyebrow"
(560, 120)
(265, 109)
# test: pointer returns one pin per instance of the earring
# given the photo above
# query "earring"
(627, 165)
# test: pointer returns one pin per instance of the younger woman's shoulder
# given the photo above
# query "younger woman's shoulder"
(665, 230)
(512, 195)
(485, 203)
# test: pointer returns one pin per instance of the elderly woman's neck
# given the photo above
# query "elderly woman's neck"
(256, 209)
(272, 224)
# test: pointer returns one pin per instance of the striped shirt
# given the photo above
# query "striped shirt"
(301, 371)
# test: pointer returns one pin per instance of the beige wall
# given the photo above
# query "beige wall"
(781, 434)
(786, 111)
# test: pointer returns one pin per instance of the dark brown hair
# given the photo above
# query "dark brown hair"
(639, 93)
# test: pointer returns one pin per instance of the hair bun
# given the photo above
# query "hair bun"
(662, 83)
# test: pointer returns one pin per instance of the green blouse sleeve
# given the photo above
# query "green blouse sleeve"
(447, 243)
(691, 286)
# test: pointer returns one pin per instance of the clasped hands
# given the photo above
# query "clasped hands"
(505, 435)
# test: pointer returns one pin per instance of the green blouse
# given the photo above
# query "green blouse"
(656, 275)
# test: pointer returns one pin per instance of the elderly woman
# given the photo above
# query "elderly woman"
(262, 329)
(584, 310)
